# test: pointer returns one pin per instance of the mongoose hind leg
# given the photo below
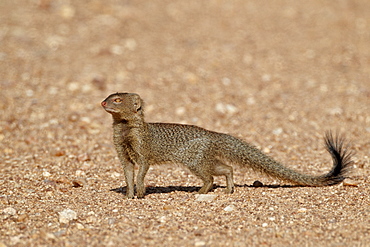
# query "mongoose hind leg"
(221, 169)
(206, 177)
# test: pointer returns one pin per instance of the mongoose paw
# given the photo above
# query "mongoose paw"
(140, 196)
(129, 196)
(202, 191)
(229, 190)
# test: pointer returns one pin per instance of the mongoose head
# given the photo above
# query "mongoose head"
(124, 106)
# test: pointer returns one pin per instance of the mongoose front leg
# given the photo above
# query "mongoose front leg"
(129, 171)
(140, 186)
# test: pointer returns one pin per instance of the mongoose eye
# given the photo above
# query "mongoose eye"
(117, 100)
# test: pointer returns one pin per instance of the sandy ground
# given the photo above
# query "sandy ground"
(277, 74)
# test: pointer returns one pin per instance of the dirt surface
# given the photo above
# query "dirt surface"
(277, 74)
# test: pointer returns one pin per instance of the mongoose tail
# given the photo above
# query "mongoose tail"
(258, 161)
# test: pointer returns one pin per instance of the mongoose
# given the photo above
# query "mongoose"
(203, 152)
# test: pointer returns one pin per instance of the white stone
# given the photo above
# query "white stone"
(229, 208)
(302, 210)
(10, 210)
(205, 197)
(46, 174)
(67, 215)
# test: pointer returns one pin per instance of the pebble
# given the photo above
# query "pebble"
(67, 215)
(229, 208)
(277, 131)
(302, 210)
(205, 197)
(350, 182)
(46, 174)
(180, 111)
(200, 243)
(77, 183)
(80, 173)
(226, 108)
(79, 226)
(115, 175)
(10, 211)
(257, 184)
(67, 11)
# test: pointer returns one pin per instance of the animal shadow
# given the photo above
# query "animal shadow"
(192, 189)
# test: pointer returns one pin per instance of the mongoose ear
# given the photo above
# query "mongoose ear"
(138, 104)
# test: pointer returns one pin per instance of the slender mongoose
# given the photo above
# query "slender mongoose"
(203, 152)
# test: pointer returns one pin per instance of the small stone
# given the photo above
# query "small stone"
(205, 197)
(264, 224)
(83, 157)
(168, 207)
(116, 175)
(67, 215)
(350, 182)
(79, 226)
(60, 233)
(77, 183)
(85, 166)
(49, 235)
(229, 208)
(22, 218)
(73, 117)
(57, 152)
(73, 86)
(63, 180)
(15, 240)
(257, 184)
(180, 111)
(198, 232)
(130, 44)
(302, 210)
(91, 219)
(116, 49)
(80, 173)
(67, 11)
(335, 111)
(266, 77)
(226, 108)
(163, 219)
(200, 243)
(10, 211)
(226, 81)
(277, 131)
(85, 120)
(46, 174)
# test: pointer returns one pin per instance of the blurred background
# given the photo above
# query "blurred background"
(277, 74)
(247, 67)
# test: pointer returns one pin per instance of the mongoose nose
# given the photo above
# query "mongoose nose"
(103, 103)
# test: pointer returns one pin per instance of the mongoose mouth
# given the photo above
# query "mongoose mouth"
(111, 110)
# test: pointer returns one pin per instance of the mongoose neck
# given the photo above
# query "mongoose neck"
(134, 123)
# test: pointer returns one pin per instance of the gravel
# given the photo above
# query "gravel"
(277, 74)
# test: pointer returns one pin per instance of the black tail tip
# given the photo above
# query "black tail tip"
(342, 158)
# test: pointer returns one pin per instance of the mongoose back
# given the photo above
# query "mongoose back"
(203, 152)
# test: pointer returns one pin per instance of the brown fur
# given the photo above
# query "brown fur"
(204, 152)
